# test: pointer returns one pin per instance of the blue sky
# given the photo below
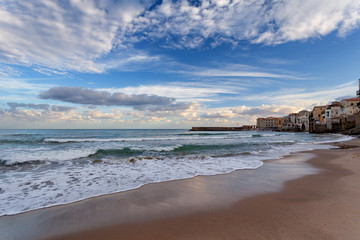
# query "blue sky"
(172, 64)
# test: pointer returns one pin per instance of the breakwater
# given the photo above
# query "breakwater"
(217, 129)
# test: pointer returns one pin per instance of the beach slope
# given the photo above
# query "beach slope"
(320, 206)
(323, 202)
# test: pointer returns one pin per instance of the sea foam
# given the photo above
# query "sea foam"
(63, 167)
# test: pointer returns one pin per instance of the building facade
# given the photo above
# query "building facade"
(332, 114)
(304, 120)
(291, 122)
(260, 123)
(270, 123)
(318, 115)
(350, 106)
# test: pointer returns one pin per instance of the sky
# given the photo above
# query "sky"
(146, 64)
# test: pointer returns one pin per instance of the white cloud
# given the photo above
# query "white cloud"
(222, 73)
(303, 97)
(297, 20)
(180, 91)
(269, 22)
(62, 35)
(49, 72)
(130, 60)
(7, 71)
(21, 85)
(219, 114)
(93, 36)
(266, 110)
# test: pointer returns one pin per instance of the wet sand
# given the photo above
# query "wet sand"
(284, 199)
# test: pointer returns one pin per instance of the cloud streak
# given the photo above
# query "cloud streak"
(13, 107)
(305, 97)
(81, 95)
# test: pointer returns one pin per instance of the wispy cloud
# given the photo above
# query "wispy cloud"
(199, 91)
(49, 72)
(188, 25)
(93, 36)
(224, 73)
(22, 85)
(297, 96)
(266, 110)
(8, 71)
(14, 107)
(70, 35)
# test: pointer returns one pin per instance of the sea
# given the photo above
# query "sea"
(42, 168)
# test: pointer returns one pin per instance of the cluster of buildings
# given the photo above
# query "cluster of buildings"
(338, 116)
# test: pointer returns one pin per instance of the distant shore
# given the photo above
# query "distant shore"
(216, 129)
(317, 201)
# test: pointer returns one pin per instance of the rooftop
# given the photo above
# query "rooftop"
(351, 99)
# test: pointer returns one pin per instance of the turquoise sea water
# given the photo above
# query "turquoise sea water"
(40, 168)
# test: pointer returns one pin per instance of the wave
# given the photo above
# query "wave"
(7, 163)
(264, 135)
(101, 153)
(200, 134)
(179, 137)
(105, 179)
(75, 140)
(32, 155)
(47, 155)
(21, 134)
(341, 138)
(191, 148)
(18, 156)
(256, 135)
(21, 141)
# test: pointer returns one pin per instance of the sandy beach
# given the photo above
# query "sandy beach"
(311, 195)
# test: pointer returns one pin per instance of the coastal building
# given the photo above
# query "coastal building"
(273, 122)
(270, 123)
(304, 120)
(249, 127)
(332, 115)
(317, 121)
(294, 120)
(350, 106)
(287, 124)
(291, 122)
(343, 116)
(260, 123)
(319, 115)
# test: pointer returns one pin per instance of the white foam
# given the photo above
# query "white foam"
(21, 155)
(71, 181)
(158, 149)
(340, 138)
(27, 191)
(144, 139)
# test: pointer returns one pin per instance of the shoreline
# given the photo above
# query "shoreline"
(317, 206)
(329, 143)
(164, 215)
